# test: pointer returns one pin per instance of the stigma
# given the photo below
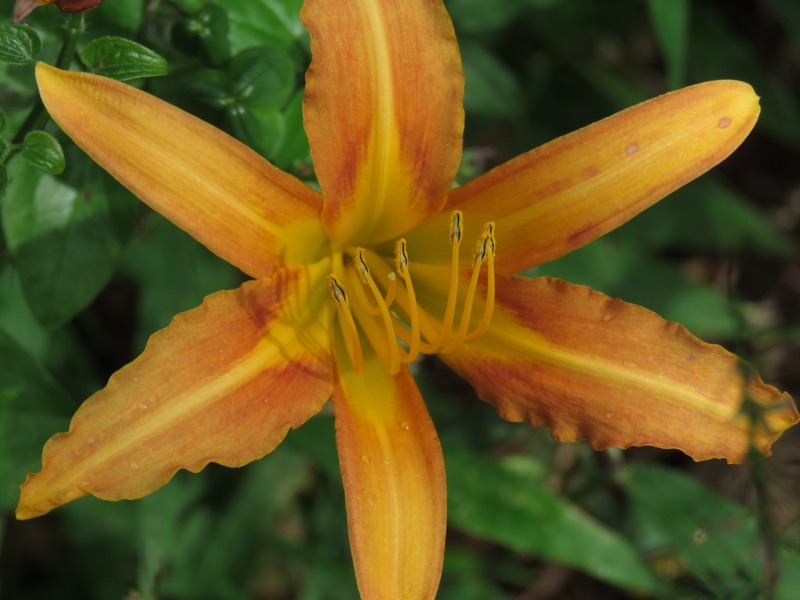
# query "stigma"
(381, 308)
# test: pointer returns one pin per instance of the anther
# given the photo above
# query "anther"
(347, 324)
(401, 258)
(401, 263)
(485, 245)
(455, 226)
(456, 218)
(396, 333)
(362, 268)
(488, 248)
(484, 252)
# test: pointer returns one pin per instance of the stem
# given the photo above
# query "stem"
(38, 117)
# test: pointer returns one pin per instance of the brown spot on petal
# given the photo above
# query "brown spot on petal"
(724, 122)
(591, 171)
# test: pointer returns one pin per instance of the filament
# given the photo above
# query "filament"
(396, 334)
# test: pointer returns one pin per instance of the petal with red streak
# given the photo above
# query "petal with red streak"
(383, 112)
(237, 204)
(562, 195)
(589, 366)
(223, 382)
(394, 481)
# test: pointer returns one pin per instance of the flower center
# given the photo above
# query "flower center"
(391, 320)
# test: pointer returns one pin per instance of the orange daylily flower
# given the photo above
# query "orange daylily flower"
(389, 262)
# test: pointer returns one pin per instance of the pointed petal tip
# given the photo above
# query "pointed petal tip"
(36, 501)
(558, 197)
(228, 197)
(591, 367)
(222, 383)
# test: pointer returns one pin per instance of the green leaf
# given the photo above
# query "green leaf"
(43, 151)
(122, 59)
(262, 76)
(506, 507)
(262, 81)
(64, 236)
(713, 537)
(205, 33)
(16, 318)
(670, 19)
(173, 285)
(491, 88)
(292, 151)
(707, 216)
(3, 119)
(127, 14)
(32, 408)
(789, 581)
(259, 22)
(19, 44)
(262, 130)
(175, 527)
(622, 270)
(479, 16)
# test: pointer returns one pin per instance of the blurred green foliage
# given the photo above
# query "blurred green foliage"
(87, 274)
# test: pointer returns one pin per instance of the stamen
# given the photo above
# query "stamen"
(348, 326)
(456, 232)
(399, 336)
(484, 252)
(363, 272)
(488, 309)
(401, 263)
(364, 301)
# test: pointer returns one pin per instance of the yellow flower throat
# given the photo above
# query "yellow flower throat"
(393, 322)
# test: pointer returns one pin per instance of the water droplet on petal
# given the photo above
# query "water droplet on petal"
(606, 318)
(724, 122)
(632, 149)
(92, 442)
(134, 465)
(630, 364)
(365, 459)
(142, 406)
(405, 425)
(85, 484)
(386, 462)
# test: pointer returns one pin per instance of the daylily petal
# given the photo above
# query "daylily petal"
(383, 113)
(223, 383)
(212, 186)
(589, 366)
(562, 195)
(394, 481)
